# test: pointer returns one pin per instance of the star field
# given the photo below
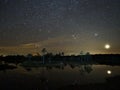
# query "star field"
(59, 25)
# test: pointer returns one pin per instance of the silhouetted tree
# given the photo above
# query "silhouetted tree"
(88, 53)
(29, 56)
(81, 53)
(44, 51)
(88, 56)
(62, 53)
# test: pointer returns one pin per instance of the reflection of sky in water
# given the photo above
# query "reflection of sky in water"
(60, 76)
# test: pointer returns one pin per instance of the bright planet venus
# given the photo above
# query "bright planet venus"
(107, 46)
(69, 26)
(109, 72)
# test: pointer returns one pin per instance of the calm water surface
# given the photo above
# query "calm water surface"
(55, 76)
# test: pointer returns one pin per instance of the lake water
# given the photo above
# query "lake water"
(55, 76)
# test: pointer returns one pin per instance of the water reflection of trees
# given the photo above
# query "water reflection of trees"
(43, 76)
(48, 66)
(43, 80)
(5, 67)
(82, 67)
(85, 69)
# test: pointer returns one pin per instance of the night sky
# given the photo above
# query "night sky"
(71, 26)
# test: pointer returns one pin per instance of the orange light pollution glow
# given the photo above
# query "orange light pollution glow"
(55, 45)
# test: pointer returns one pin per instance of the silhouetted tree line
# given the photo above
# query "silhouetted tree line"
(49, 57)
(107, 58)
(13, 59)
